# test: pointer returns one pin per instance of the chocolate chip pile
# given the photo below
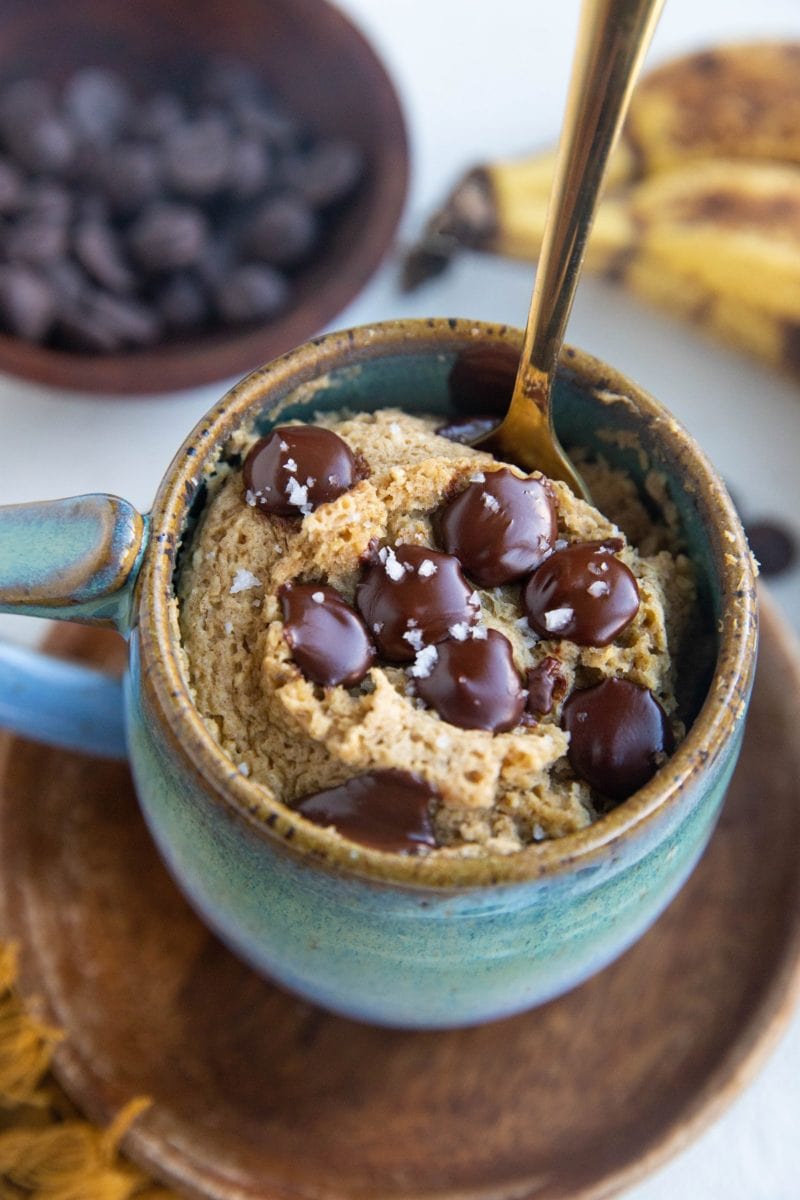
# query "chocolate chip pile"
(417, 608)
(126, 220)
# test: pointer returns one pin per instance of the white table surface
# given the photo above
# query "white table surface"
(484, 80)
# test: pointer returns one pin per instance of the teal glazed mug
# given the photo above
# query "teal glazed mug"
(401, 940)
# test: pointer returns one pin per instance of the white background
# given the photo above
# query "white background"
(484, 80)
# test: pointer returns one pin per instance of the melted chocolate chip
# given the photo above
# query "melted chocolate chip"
(474, 684)
(296, 468)
(388, 810)
(500, 526)
(545, 681)
(582, 593)
(619, 736)
(413, 597)
(327, 638)
(467, 429)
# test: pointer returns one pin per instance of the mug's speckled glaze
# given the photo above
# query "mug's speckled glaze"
(417, 941)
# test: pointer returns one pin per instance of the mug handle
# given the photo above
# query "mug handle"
(69, 560)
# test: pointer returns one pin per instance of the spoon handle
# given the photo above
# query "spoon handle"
(613, 38)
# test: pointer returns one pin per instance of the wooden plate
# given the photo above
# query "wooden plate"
(259, 1096)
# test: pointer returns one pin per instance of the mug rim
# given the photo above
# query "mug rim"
(163, 677)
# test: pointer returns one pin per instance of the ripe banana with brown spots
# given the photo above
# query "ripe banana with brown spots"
(701, 214)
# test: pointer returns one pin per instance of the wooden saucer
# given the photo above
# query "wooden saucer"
(259, 1096)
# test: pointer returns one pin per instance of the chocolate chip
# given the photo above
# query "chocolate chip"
(412, 598)
(387, 810)
(325, 173)
(619, 736)
(499, 526)
(774, 546)
(182, 302)
(156, 116)
(295, 468)
(41, 143)
(467, 429)
(196, 157)
(282, 231)
(582, 593)
(546, 681)
(98, 250)
(27, 302)
(100, 321)
(264, 120)
(35, 240)
(328, 639)
(98, 101)
(48, 200)
(11, 187)
(251, 292)
(249, 167)
(474, 684)
(131, 176)
(168, 236)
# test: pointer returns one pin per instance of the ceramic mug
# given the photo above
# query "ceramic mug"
(401, 940)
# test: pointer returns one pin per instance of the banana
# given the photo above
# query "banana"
(701, 212)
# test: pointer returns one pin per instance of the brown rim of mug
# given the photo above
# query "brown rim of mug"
(166, 686)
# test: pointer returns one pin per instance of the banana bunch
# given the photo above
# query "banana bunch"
(701, 210)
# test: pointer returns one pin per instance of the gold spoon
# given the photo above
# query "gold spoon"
(613, 37)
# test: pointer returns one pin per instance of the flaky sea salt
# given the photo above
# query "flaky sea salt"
(228, 627)
(243, 768)
(318, 597)
(298, 495)
(424, 662)
(391, 566)
(474, 600)
(243, 580)
(557, 619)
(478, 477)
(479, 632)
(395, 430)
(414, 639)
(598, 588)
(427, 568)
(490, 502)
(459, 631)
(290, 465)
(283, 445)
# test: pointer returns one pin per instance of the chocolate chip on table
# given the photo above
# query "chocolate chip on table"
(386, 810)
(156, 115)
(167, 236)
(546, 682)
(583, 593)
(249, 167)
(251, 292)
(500, 526)
(773, 545)
(295, 468)
(282, 231)
(411, 598)
(619, 736)
(474, 684)
(27, 302)
(328, 639)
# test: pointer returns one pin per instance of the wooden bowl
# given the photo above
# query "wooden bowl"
(314, 60)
